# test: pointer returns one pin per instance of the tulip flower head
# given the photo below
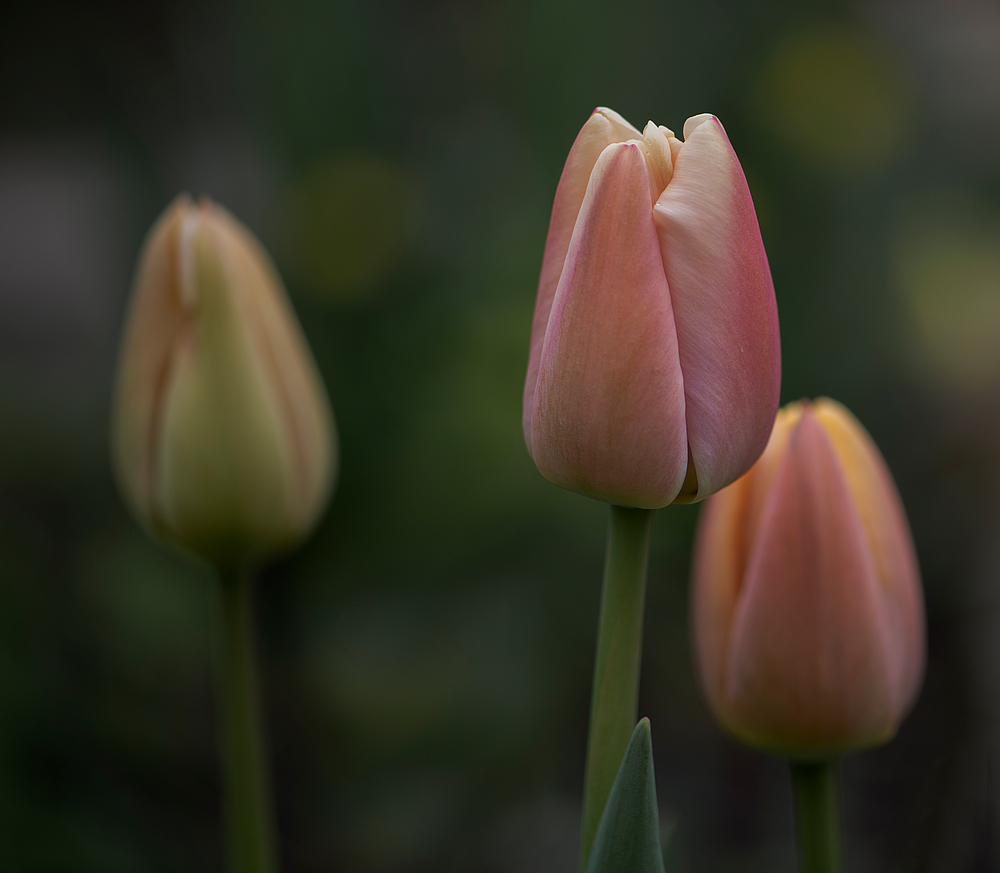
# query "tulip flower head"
(654, 368)
(223, 437)
(807, 608)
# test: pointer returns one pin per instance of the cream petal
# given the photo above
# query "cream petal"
(696, 121)
(659, 164)
(224, 465)
(290, 370)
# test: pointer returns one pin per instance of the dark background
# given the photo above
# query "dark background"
(427, 655)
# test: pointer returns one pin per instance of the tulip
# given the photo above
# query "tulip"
(807, 608)
(223, 437)
(654, 368)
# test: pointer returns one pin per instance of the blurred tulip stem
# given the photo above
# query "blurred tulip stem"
(614, 699)
(248, 813)
(817, 815)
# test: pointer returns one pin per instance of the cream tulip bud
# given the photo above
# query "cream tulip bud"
(807, 608)
(223, 439)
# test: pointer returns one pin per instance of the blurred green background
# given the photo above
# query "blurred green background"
(427, 656)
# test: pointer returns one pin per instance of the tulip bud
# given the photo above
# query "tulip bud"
(654, 368)
(223, 437)
(807, 608)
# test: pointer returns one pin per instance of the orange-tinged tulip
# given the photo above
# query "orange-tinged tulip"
(807, 607)
(655, 367)
(223, 437)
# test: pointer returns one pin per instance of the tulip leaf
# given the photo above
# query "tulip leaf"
(628, 837)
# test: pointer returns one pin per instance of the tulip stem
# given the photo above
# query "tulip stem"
(817, 815)
(614, 698)
(248, 814)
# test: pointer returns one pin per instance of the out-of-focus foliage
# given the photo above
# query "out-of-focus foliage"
(427, 656)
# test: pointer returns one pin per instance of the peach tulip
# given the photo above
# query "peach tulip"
(807, 609)
(654, 368)
(223, 437)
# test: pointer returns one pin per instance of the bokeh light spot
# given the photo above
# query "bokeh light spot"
(348, 224)
(947, 270)
(835, 98)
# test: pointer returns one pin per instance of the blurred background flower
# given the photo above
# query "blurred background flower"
(427, 656)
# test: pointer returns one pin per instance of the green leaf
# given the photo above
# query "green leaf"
(628, 837)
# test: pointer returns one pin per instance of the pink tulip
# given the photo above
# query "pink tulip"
(655, 365)
(807, 608)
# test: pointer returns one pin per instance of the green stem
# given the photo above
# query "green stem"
(817, 815)
(614, 699)
(248, 815)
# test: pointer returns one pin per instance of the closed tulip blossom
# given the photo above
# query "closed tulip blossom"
(223, 437)
(807, 606)
(654, 367)
(224, 445)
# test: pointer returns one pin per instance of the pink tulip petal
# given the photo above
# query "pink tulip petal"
(717, 574)
(727, 321)
(884, 522)
(728, 525)
(608, 417)
(602, 129)
(809, 661)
